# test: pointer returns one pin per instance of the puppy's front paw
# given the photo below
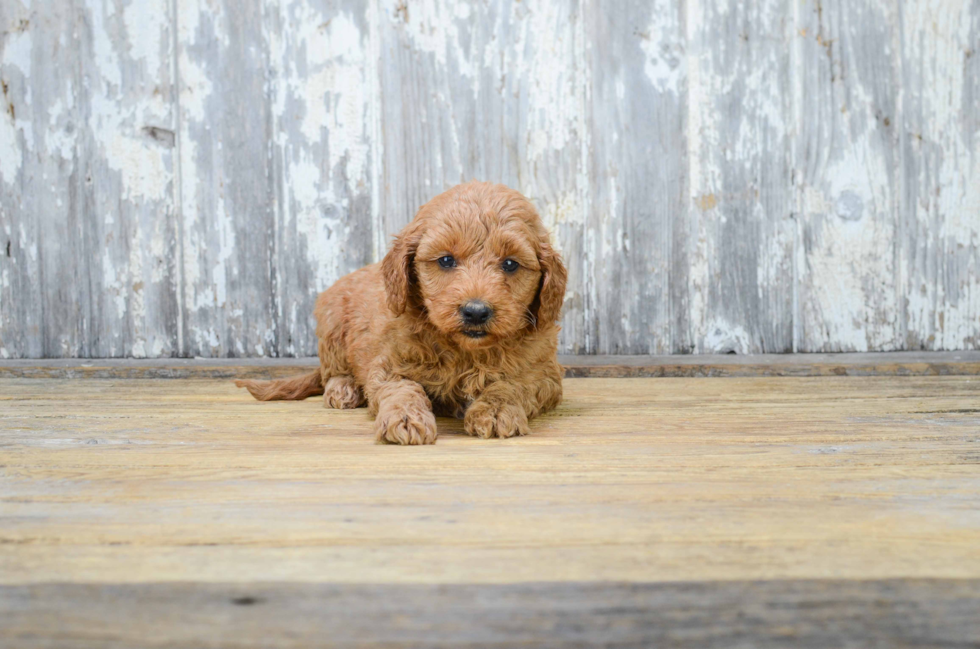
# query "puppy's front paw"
(343, 393)
(405, 425)
(486, 420)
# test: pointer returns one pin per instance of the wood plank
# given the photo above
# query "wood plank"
(87, 135)
(723, 615)
(726, 365)
(126, 213)
(228, 287)
(35, 172)
(798, 365)
(638, 176)
(846, 163)
(491, 91)
(639, 480)
(323, 87)
(940, 201)
(741, 257)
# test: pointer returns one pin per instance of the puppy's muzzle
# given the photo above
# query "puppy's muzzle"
(475, 313)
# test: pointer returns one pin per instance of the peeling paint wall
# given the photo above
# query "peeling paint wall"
(180, 178)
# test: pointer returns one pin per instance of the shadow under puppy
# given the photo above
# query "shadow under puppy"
(459, 319)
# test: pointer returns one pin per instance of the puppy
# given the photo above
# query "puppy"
(459, 319)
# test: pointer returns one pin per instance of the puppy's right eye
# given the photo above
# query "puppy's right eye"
(447, 261)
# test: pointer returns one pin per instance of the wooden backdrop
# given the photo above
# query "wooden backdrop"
(181, 177)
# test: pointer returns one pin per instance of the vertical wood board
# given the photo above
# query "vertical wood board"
(739, 125)
(846, 167)
(940, 149)
(87, 178)
(638, 176)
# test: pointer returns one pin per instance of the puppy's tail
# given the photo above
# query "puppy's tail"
(291, 389)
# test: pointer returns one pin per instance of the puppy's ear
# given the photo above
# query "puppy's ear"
(396, 267)
(551, 295)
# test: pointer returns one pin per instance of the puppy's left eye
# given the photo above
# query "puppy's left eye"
(447, 261)
(510, 266)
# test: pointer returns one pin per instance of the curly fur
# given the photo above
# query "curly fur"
(391, 334)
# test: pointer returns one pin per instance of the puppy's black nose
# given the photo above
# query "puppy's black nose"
(476, 312)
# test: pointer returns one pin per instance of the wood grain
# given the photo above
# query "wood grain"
(941, 169)
(87, 212)
(639, 480)
(323, 87)
(700, 365)
(181, 179)
(762, 512)
(706, 615)
(849, 195)
(228, 287)
(740, 121)
(637, 177)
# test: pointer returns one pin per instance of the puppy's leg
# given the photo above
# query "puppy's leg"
(342, 393)
(339, 388)
(505, 407)
(404, 413)
(498, 412)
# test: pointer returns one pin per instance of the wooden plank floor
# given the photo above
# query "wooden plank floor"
(834, 511)
(961, 363)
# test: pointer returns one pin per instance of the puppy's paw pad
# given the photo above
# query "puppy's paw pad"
(487, 420)
(405, 427)
(342, 393)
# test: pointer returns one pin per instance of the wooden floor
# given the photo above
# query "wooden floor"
(831, 511)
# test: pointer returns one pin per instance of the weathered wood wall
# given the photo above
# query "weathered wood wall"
(180, 177)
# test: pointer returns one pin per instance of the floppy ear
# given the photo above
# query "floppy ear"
(396, 267)
(551, 295)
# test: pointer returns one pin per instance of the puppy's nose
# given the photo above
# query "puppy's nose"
(476, 312)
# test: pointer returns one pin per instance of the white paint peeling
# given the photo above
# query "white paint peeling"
(433, 27)
(724, 337)
(333, 91)
(219, 282)
(18, 46)
(699, 174)
(943, 283)
(136, 287)
(662, 43)
(562, 210)
(103, 46)
(583, 98)
(160, 348)
(852, 237)
(9, 161)
(324, 62)
(159, 250)
(16, 56)
(144, 173)
(554, 106)
(196, 88)
(146, 24)
(849, 285)
(225, 231)
(372, 96)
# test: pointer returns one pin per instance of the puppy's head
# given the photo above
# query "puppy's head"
(477, 265)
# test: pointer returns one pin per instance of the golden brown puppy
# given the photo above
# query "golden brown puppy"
(459, 319)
